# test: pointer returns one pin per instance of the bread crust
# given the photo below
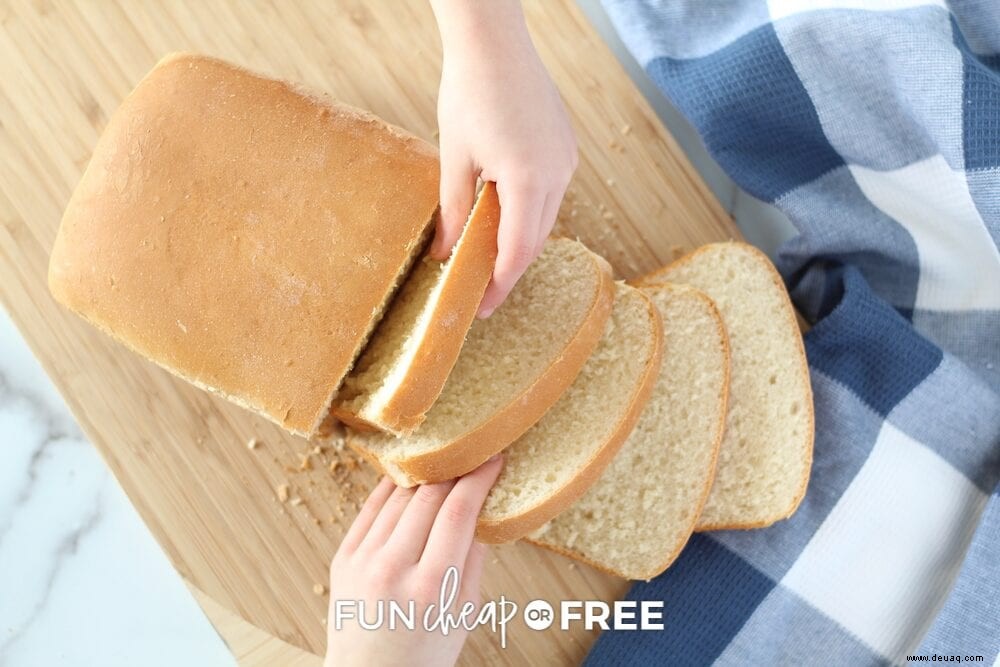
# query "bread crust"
(723, 406)
(471, 270)
(470, 450)
(224, 229)
(791, 321)
(519, 525)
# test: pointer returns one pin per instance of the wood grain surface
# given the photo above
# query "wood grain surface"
(182, 455)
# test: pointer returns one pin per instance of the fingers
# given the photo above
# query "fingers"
(549, 214)
(472, 572)
(458, 192)
(451, 535)
(370, 510)
(520, 216)
(387, 519)
(410, 535)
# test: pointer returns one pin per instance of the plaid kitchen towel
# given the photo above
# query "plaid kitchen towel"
(874, 126)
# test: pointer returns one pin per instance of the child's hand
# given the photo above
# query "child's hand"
(501, 119)
(398, 548)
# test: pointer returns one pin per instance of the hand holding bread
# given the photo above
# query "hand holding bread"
(399, 548)
(501, 119)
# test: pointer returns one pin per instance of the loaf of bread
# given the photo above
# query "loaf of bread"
(561, 456)
(639, 515)
(406, 363)
(766, 453)
(244, 234)
(512, 369)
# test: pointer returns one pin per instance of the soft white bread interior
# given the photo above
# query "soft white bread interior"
(243, 234)
(639, 515)
(561, 456)
(512, 369)
(766, 452)
(407, 361)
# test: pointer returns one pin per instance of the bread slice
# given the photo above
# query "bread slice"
(639, 515)
(512, 369)
(766, 453)
(244, 235)
(405, 365)
(557, 460)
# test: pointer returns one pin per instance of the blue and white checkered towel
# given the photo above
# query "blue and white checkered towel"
(874, 125)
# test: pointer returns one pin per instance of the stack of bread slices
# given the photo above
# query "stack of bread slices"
(269, 245)
(691, 410)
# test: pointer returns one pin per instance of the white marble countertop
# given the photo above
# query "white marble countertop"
(82, 581)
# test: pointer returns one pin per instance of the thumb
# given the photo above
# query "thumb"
(458, 190)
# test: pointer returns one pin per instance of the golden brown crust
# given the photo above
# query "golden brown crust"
(723, 399)
(470, 273)
(224, 229)
(602, 567)
(469, 451)
(658, 276)
(507, 529)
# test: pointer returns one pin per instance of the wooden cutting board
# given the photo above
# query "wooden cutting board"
(180, 454)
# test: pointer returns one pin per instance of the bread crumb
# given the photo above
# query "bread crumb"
(610, 182)
(572, 566)
(296, 501)
(252, 443)
(317, 450)
(334, 465)
(626, 129)
(305, 463)
(319, 589)
(283, 492)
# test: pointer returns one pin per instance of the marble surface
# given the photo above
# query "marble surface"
(82, 582)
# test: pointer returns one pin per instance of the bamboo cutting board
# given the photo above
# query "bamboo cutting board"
(215, 505)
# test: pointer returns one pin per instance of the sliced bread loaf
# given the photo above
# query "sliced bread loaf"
(244, 234)
(766, 453)
(512, 369)
(557, 460)
(406, 363)
(639, 515)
